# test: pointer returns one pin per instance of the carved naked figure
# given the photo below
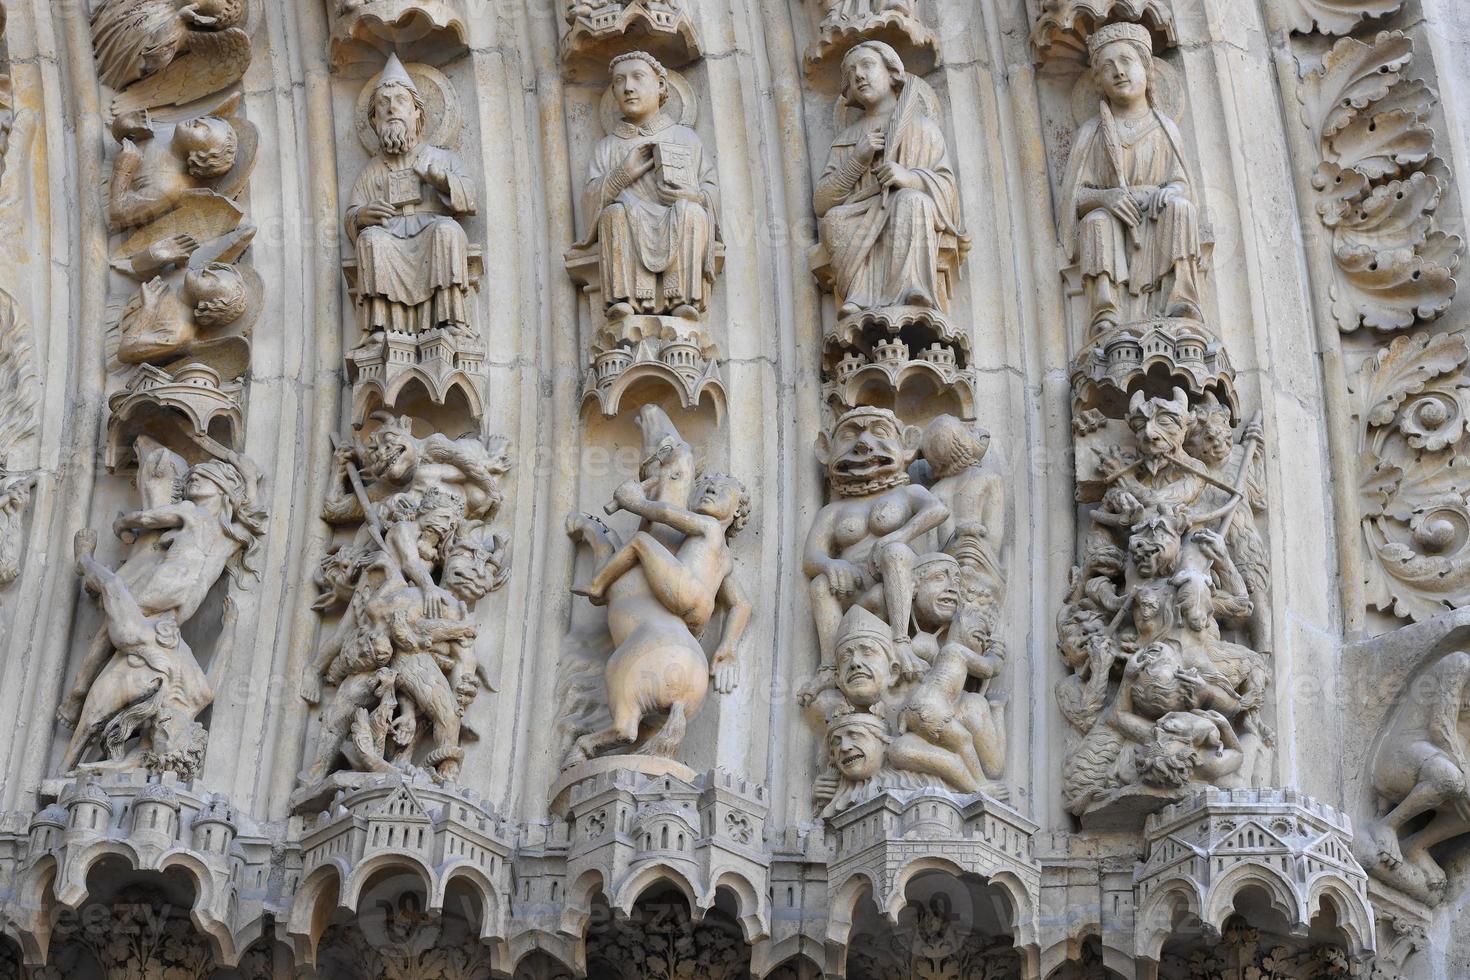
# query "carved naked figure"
(1421, 768)
(652, 202)
(951, 452)
(188, 541)
(152, 176)
(133, 39)
(660, 598)
(887, 199)
(860, 548)
(1130, 219)
(403, 218)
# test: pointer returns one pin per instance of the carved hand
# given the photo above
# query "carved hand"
(891, 175)
(870, 144)
(1210, 543)
(153, 291)
(437, 175)
(1121, 205)
(629, 494)
(668, 194)
(172, 251)
(375, 213)
(843, 578)
(723, 670)
(638, 162)
(128, 157)
(1254, 431)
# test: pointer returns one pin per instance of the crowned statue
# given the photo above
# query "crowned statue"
(412, 252)
(1130, 218)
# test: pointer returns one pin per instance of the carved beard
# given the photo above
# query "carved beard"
(397, 137)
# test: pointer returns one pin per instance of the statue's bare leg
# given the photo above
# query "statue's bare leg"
(357, 691)
(896, 565)
(421, 679)
(623, 731)
(986, 725)
(673, 585)
(1439, 780)
(666, 741)
(827, 614)
(594, 534)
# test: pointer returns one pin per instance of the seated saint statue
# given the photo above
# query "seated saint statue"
(887, 200)
(412, 253)
(653, 201)
(1129, 219)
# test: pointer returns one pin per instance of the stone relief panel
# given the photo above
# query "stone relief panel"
(140, 687)
(662, 587)
(890, 238)
(905, 588)
(418, 551)
(157, 53)
(652, 252)
(412, 271)
(1380, 184)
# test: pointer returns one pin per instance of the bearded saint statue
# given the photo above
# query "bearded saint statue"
(412, 253)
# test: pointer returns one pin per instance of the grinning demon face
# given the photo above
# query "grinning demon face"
(868, 446)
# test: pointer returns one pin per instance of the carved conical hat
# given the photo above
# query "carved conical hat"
(860, 622)
(395, 74)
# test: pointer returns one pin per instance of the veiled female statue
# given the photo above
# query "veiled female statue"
(887, 200)
(1130, 219)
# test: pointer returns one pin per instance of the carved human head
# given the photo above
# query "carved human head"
(640, 84)
(865, 657)
(1122, 58)
(1155, 540)
(1160, 424)
(214, 478)
(474, 562)
(208, 145)
(936, 590)
(398, 109)
(871, 72)
(391, 452)
(857, 741)
(217, 293)
(1174, 749)
(1211, 436)
(951, 446)
(868, 448)
(723, 498)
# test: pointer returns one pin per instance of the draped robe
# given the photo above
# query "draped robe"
(1101, 243)
(133, 39)
(413, 270)
(885, 246)
(654, 256)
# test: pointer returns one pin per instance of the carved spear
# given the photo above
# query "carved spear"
(369, 513)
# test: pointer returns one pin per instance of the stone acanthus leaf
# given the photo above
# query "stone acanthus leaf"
(1380, 184)
(1414, 475)
(1334, 16)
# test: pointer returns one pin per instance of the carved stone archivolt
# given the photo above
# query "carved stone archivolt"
(652, 252)
(890, 239)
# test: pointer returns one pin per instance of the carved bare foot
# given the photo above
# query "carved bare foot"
(598, 597)
(84, 545)
(910, 665)
(70, 711)
(826, 677)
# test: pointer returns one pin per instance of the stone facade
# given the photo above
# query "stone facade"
(777, 488)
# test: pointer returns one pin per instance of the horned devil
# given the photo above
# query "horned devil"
(661, 589)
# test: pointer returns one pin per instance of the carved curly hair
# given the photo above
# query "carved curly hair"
(742, 507)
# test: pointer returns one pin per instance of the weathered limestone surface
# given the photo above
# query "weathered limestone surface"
(776, 488)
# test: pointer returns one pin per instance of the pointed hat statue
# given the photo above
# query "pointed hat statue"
(859, 622)
(395, 74)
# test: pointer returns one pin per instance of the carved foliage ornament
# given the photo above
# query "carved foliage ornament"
(1334, 16)
(1379, 185)
(1415, 474)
